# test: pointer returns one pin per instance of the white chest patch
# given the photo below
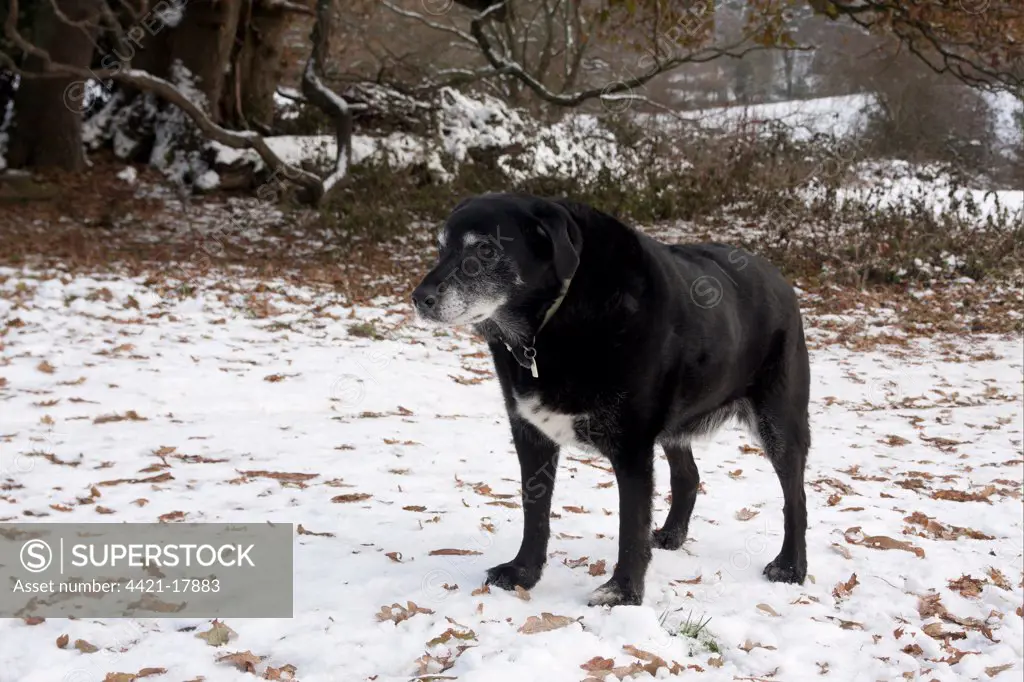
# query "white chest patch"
(557, 426)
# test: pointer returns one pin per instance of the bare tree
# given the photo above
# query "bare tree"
(560, 51)
(50, 134)
(48, 72)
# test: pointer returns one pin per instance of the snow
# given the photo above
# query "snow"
(128, 174)
(901, 184)
(840, 117)
(416, 420)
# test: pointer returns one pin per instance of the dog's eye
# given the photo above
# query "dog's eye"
(486, 252)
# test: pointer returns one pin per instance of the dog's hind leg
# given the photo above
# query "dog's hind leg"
(780, 419)
(685, 481)
(538, 464)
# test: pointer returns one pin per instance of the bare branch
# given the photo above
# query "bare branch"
(628, 85)
(287, 6)
(326, 100)
(447, 28)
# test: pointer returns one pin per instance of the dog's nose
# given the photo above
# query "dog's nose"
(425, 296)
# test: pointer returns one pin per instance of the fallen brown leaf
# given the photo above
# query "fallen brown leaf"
(246, 661)
(159, 478)
(301, 530)
(130, 415)
(396, 613)
(454, 552)
(746, 514)
(218, 635)
(964, 496)
(131, 677)
(996, 669)
(597, 663)
(544, 623)
(748, 646)
(856, 537)
(843, 590)
(998, 579)
(351, 497)
(285, 672)
(283, 476)
(85, 647)
(967, 586)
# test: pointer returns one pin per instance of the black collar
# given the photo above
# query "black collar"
(526, 355)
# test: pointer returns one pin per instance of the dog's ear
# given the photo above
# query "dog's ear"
(557, 224)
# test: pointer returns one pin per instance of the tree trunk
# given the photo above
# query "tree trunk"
(47, 129)
(203, 42)
(257, 67)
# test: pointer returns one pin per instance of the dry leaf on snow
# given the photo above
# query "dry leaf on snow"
(996, 669)
(967, 586)
(940, 531)
(452, 633)
(748, 646)
(246, 661)
(396, 613)
(746, 514)
(597, 568)
(856, 537)
(62, 641)
(130, 415)
(85, 647)
(998, 579)
(597, 663)
(522, 593)
(131, 677)
(842, 590)
(284, 476)
(285, 672)
(454, 552)
(218, 635)
(351, 497)
(544, 623)
(303, 531)
(767, 609)
(965, 496)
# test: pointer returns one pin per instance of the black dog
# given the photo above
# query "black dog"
(605, 338)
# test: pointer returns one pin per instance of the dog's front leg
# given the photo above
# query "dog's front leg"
(634, 473)
(538, 463)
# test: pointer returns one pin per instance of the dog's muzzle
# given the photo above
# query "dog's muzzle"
(425, 299)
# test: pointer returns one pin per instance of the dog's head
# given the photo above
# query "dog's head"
(496, 251)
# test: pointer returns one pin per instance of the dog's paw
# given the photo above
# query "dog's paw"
(614, 594)
(783, 570)
(510, 575)
(668, 538)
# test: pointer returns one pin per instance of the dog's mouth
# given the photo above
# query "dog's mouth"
(452, 310)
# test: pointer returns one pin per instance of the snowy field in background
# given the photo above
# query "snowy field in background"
(399, 447)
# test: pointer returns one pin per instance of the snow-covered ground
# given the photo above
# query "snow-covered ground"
(914, 481)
